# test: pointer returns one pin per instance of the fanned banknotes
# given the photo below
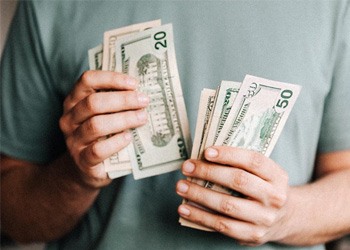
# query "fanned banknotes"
(146, 51)
(250, 115)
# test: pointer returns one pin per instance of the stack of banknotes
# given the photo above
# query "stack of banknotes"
(146, 52)
(249, 115)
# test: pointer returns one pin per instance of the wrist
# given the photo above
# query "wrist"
(291, 223)
(94, 180)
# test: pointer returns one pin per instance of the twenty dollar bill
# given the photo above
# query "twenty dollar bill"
(163, 143)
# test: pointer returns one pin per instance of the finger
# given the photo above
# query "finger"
(103, 125)
(106, 102)
(96, 80)
(234, 207)
(231, 178)
(101, 150)
(251, 161)
(236, 229)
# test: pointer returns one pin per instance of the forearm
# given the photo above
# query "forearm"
(318, 212)
(42, 203)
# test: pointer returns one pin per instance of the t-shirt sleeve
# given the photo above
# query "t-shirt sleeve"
(30, 104)
(335, 131)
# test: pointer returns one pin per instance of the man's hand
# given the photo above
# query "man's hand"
(252, 220)
(51, 199)
(101, 104)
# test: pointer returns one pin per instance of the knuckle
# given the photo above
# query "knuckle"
(278, 199)
(67, 104)
(126, 98)
(94, 126)
(83, 159)
(228, 206)
(258, 236)
(220, 225)
(92, 103)
(239, 179)
(205, 172)
(86, 77)
(268, 219)
(71, 145)
(119, 141)
(63, 124)
(256, 160)
(96, 151)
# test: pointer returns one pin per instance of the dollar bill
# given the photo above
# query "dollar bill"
(205, 111)
(95, 57)
(119, 161)
(206, 103)
(226, 95)
(111, 164)
(163, 143)
(119, 173)
(110, 37)
(260, 112)
(218, 104)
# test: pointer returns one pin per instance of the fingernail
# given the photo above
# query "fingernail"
(142, 98)
(142, 115)
(188, 167)
(182, 187)
(211, 153)
(132, 82)
(184, 211)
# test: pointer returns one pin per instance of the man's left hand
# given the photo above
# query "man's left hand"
(252, 220)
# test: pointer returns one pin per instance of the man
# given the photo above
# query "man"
(54, 188)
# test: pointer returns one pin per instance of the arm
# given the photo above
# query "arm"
(325, 202)
(304, 215)
(42, 203)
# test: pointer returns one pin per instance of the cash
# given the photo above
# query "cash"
(204, 115)
(206, 105)
(110, 37)
(162, 144)
(95, 57)
(118, 164)
(250, 115)
(146, 51)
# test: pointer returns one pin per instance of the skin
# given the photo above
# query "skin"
(272, 210)
(44, 202)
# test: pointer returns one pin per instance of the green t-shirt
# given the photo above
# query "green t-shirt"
(301, 42)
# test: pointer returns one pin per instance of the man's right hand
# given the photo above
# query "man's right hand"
(50, 199)
(102, 103)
